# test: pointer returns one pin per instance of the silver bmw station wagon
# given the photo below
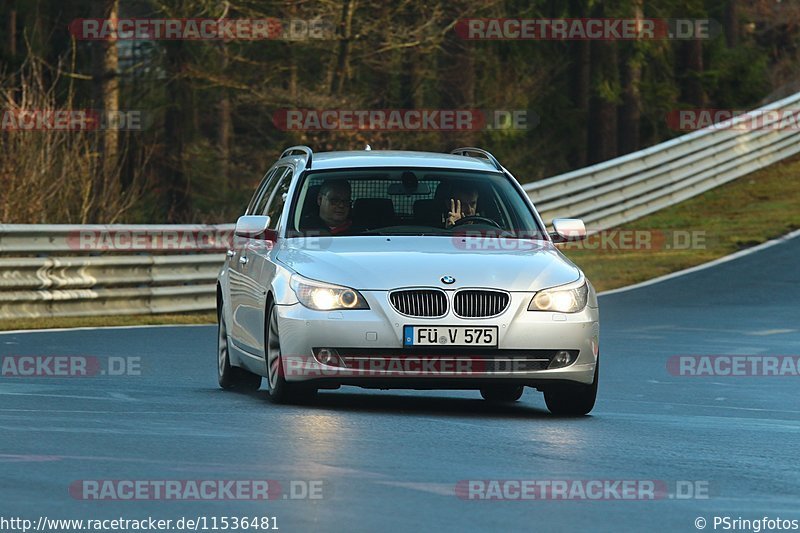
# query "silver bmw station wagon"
(391, 269)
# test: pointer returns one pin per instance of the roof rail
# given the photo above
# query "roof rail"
(466, 151)
(304, 149)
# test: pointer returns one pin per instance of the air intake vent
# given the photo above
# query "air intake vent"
(479, 303)
(419, 302)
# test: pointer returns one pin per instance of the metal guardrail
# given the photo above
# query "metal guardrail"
(626, 188)
(63, 270)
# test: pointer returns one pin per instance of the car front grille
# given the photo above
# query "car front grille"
(429, 303)
(480, 303)
(439, 360)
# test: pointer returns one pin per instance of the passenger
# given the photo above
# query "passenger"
(463, 202)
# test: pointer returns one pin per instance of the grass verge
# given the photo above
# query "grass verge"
(98, 321)
(740, 214)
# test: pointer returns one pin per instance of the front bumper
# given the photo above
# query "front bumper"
(526, 342)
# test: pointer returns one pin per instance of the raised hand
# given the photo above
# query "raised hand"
(454, 214)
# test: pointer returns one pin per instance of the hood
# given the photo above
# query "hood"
(386, 263)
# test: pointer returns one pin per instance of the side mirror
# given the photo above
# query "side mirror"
(252, 226)
(568, 229)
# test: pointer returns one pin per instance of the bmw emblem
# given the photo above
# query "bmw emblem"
(449, 280)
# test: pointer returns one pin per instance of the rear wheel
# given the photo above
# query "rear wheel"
(231, 377)
(280, 390)
(502, 393)
(573, 399)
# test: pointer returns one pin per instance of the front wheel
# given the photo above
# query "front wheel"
(231, 377)
(573, 399)
(280, 390)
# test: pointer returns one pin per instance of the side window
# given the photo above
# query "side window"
(261, 196)
(275, 206)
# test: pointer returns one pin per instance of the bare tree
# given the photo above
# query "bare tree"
(105, 82)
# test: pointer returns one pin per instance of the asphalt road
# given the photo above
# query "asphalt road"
(390, 460)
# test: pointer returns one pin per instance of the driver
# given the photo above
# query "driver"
(463, 202)
(334, 217)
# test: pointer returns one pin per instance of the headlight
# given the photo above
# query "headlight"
(561, 299)
(326, 297)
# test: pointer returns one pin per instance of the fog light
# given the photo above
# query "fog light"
(328, 356)
(561, 359)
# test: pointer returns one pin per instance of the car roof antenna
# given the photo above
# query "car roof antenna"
(368, 148)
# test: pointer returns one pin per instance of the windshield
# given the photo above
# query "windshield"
(404, 201)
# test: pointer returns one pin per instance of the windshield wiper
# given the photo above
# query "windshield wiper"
(402, 234)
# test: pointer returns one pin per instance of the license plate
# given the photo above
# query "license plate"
(449, 336)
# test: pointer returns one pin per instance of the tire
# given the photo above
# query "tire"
(231, 377)
(502, 393)
(280, 390)
(573, 399)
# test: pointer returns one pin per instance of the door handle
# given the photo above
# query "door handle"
(243, 260)
(230, 253)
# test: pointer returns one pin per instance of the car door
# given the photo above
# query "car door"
(238, 272)
(255, 254)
